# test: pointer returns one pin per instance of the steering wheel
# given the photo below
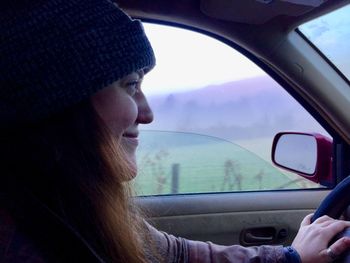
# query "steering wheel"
(334, 205)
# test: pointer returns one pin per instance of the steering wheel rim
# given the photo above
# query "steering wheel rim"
(333, 205)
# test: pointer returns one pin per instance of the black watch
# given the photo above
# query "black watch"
(291, 255)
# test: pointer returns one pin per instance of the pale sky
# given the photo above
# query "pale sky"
(331, 34)
(186, 59)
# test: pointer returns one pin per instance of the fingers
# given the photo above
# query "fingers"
(332, 222)
(336, 249)
(323, 219)
(307, 220)
(312, 240)
(335, 227)
(329, 229)
(326, 221)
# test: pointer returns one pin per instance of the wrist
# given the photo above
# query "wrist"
(291, 255)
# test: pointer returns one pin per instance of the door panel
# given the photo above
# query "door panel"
(223, 218)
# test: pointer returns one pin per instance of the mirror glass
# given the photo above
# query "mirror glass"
(297, 152)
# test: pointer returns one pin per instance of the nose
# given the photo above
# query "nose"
(145, 114)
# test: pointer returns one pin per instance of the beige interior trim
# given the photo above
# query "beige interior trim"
(178, 205)
(241, 11)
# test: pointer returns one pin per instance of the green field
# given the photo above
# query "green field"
(204, 164)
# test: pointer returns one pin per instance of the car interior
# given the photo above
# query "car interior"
(269, 34)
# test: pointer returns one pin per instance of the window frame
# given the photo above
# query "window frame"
(341, 150)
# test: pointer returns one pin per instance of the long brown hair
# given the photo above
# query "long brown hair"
(73, 164)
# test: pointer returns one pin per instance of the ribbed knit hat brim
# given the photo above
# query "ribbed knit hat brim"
(57, 53)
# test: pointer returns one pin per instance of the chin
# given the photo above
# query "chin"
(130, 156)
(133, 169)
(131, 159)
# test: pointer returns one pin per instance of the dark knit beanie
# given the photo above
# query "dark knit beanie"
(56, 53)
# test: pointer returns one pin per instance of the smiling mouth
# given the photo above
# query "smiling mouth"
(131, 139)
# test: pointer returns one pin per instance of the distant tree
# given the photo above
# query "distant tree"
(169, 102)
(259, 177)
(158, 172)
(232, 176)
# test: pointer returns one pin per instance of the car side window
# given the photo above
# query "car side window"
(215, 116)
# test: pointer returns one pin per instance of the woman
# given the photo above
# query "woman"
(70, 105)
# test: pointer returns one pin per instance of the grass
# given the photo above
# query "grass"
(171, 162)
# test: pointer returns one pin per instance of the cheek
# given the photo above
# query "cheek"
(124, 117)
(119, 115)
(117, 109)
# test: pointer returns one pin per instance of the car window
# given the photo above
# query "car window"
(216, 114)
(330, 33)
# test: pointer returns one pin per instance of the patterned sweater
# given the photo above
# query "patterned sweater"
(17, 247)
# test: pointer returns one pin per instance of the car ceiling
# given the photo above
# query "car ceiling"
(254, 11)
(288, 13)
(233, 18)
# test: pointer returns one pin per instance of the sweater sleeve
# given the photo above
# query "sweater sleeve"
(173, 249)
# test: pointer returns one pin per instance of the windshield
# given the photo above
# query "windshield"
(330, 33)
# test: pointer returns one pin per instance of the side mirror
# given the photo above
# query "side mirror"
(307, 154)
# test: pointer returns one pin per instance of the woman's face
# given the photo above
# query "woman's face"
(122, 105)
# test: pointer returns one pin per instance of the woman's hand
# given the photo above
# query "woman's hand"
(313, 239)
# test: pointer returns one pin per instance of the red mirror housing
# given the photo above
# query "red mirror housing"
(322, 173)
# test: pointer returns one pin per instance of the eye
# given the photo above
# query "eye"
(132, 87)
